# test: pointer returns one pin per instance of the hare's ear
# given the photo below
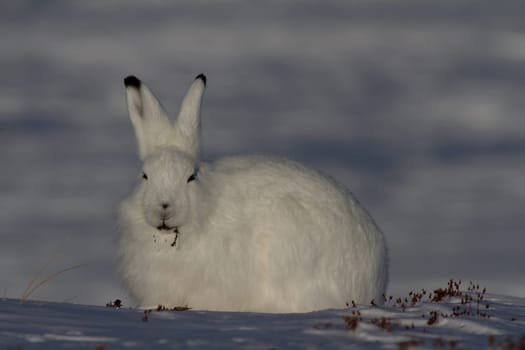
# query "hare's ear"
(188, 124)
(150, 121)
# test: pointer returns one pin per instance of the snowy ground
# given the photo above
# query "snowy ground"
(396, 325)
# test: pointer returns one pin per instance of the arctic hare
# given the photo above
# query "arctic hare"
(245, 233)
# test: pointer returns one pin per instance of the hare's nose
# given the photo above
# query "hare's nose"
(165, 205)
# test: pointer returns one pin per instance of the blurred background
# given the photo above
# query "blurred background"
(416, 106)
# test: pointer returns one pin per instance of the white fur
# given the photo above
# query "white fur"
(255, 233)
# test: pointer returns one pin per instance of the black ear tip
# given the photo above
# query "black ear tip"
(132, 81)
(201, 77)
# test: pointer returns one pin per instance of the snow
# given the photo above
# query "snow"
(50, 325)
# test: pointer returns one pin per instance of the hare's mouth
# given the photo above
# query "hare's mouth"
(166, 227)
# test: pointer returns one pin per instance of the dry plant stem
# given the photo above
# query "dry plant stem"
(36, 277)
(46, 280)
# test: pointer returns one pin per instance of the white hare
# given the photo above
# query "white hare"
(246, 233)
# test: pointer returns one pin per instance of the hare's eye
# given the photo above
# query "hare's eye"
(144, 176)
(192, 177)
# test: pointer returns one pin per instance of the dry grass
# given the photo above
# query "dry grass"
(471, 303)
(33, 285)
(351, 322)
(160, 308)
